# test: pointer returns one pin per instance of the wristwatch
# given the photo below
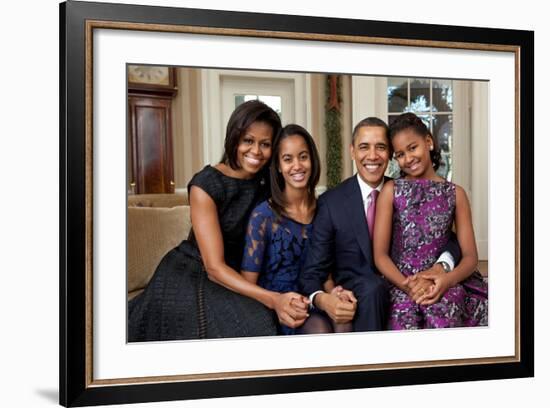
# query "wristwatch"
(445, 265)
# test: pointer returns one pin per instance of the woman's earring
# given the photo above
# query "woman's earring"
(431, 147)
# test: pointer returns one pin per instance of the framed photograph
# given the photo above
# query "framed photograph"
(178, 74)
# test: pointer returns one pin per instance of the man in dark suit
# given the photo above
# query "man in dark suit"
(340, 244)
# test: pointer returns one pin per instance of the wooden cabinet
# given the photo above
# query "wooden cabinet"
(151, 144)
(150, 154)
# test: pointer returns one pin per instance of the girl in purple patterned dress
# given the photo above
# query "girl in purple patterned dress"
(415, 214)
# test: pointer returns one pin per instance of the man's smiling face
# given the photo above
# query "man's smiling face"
(371, 153)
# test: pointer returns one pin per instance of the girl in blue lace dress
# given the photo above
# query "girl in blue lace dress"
(278, 228)
(414, 219)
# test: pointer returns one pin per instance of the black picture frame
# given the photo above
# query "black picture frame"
(77, 387)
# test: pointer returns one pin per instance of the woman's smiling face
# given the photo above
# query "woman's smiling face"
(254, 149)
(295, 162)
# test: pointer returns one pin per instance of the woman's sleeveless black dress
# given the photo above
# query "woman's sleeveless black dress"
(180, 301)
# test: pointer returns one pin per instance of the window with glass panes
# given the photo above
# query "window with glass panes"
(274, 102)
(432, 101)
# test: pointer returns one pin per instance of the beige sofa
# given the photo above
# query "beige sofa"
(156, 224)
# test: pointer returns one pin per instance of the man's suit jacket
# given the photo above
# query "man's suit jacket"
(340, 243)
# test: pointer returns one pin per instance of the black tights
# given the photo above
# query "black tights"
(319, 323)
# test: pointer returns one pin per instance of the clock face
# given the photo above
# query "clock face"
(147, 74)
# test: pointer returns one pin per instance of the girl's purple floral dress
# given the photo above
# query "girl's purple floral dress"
(423, 215)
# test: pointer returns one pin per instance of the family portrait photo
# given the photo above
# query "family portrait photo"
(268, 203)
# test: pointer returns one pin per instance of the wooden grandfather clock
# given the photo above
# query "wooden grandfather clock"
(151, 90)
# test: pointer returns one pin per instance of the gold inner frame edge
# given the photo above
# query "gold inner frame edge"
(101, 24)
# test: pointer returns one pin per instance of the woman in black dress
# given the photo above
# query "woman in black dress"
(196, 291)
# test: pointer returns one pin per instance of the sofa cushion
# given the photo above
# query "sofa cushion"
(158, 200)
(152, 232)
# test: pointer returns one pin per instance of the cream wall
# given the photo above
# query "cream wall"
(479, 198)
(187, 126)
(347, 126)
(318, 119)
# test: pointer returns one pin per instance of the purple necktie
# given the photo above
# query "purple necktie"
(371, 211)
